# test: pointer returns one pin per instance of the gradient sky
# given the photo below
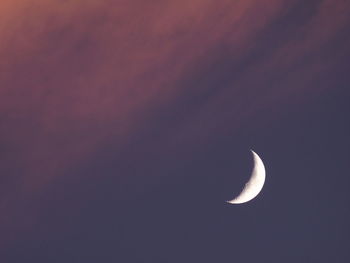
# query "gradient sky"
(125, 125)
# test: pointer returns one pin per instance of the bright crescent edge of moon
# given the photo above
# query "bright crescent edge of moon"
(256, 182)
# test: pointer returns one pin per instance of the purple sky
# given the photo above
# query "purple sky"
(124, 125)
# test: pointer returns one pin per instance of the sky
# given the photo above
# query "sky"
(126, 125)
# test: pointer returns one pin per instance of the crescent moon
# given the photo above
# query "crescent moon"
(256, 182)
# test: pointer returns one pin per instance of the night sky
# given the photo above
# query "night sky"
(125, 126)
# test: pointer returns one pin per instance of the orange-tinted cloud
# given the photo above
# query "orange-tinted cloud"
(75, 73)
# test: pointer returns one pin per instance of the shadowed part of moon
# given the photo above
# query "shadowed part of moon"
(256, 182)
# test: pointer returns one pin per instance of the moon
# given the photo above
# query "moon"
(256, 182)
